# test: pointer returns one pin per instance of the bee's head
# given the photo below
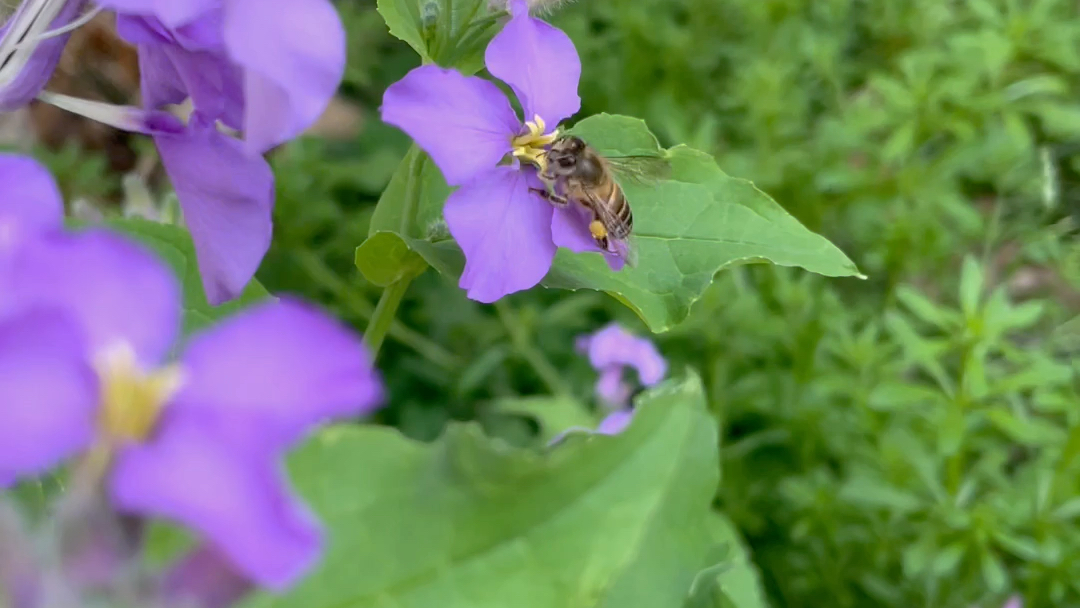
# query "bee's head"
(565, 154)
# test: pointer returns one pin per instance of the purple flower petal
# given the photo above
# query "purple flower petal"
(238, 501)
(26, 70)
(48, 393)
(172, 13)
(615, 422)
(294, 57)
(30, 201)
(614, 346)
(189, 61)
(227, 196)
(161, 84)
(540, 64)
(612, 390)
(215, 84)
(204, 33)
(206, 579)
(570, 229)
(116, 290)
(504, 231)
(464, 123)
(276, 371)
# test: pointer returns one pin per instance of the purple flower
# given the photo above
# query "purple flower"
(84, 336)
(267, 68)
(225, 193)
(508, 232)
(611, 351)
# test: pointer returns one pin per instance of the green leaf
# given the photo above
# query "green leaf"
(734, 582)
(468, 522)
(926, 310)
(868, 490)
(451, 33)
(384, 258)
(1027, 430)
(553, 414)
(687, 229)
(971, 287)
(411, 207)
(174, 245)
(405, 18)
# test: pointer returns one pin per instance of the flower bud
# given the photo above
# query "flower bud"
(429, 19)
(536, 7)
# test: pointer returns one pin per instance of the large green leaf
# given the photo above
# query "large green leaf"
(687, 228)
(173, 244)
(468, 522)
(732, 582)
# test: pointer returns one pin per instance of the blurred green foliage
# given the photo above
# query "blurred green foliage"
(910, 440)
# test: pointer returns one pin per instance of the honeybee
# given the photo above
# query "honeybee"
(573, 171)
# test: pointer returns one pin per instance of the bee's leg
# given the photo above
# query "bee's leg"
(551, 197)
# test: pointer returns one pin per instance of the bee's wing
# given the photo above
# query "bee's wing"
(643, 170)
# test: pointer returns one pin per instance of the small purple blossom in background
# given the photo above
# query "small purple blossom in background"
(86, 324)
(267, 68)
(508, 232)
(611, 351)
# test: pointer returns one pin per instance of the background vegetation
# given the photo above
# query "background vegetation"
(909, 440)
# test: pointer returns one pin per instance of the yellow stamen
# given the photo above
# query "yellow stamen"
(132, 399)
(531, 147)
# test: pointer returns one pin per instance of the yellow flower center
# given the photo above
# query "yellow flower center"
(132, 399)
(531, 147)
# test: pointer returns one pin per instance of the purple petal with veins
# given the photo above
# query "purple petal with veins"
(463, 122)
(540, 64)
(504, 230)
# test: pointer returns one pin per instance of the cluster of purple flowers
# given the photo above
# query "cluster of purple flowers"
(91, 373)
(265, 68)
(612, 351)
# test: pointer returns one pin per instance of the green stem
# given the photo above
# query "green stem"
(383, 317)
(359, 306)
(524, 347)
(412, 194)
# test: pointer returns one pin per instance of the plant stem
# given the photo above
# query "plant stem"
(524, 347)
(383, 317)
(358, 305)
